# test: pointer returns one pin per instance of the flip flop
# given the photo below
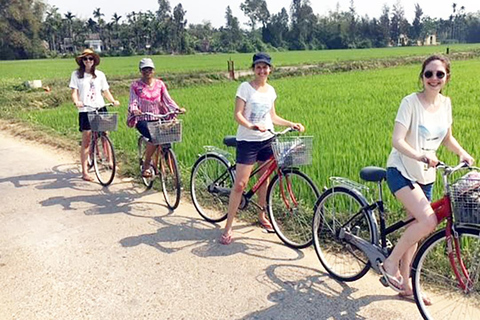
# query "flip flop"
(411, 297)
(391, 281)
(267, 227)
(226, 239)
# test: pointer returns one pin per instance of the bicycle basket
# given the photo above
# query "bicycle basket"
(103, 121)
(465, 196)
(165, 132)
(293, 151)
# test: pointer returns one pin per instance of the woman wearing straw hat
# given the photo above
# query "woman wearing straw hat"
(89, 86)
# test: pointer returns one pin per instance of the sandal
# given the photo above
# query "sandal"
(391, 281)
(411, 297)
(267, 226)
(226, 239)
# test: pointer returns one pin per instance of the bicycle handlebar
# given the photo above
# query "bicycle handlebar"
(161, 116)
(95, 109)
(276, 134)
(449, 169)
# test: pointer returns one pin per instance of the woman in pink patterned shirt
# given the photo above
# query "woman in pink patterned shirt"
(148, 94)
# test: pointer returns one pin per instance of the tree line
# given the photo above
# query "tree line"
(32, 29)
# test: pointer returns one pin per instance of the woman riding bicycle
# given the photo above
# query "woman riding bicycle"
(423, 123)
(88, 85)
(148, 94)
(255, 114)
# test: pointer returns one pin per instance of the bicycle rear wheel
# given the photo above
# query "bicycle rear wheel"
(142, 147)
(291, 198)
(210, 186)
(342, 210)
(434, 277)
(104, 159)
(170, 178)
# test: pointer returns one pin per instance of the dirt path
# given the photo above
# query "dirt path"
(74, 250)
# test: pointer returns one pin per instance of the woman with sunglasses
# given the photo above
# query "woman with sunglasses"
(89, 87)
(423, 123)
(148, 94)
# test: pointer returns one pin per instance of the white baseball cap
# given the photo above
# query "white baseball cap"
(146, 63)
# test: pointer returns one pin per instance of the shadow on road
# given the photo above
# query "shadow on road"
(306, 293)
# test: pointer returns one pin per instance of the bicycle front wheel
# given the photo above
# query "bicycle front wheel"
(210, 186)
(104, 160)
(170, 177)
(291, 198)
(434, 277)
(341, 211)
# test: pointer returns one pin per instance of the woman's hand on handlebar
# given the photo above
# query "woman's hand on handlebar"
(78, 104)
(258, 127)
(468, 159)
(431, 160)
(137, 112)
(182, 110)
(298, 127)
(116, 103)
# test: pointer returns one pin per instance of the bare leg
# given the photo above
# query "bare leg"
(262, 198)
(84, 149)
(417, 204)
(241, 179)
(150, 149)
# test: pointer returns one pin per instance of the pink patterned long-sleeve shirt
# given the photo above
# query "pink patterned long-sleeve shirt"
(154, 99)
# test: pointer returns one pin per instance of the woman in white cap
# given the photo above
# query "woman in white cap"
(148, 94)
(255, 114)
(89, 87)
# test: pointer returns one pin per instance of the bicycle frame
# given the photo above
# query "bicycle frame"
(377, 254)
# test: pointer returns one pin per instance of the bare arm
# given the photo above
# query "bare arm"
(452, 144)
(238, 114)
(107, 94)
(75, 98)
(399, 143)
(279, 121)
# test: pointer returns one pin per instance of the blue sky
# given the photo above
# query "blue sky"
(214, 10)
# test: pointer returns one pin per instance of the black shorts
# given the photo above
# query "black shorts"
(249, 152)
(83, 123)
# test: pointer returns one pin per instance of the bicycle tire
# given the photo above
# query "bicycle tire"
(291, 198)
(334, 208)
(432, 275)
(142, 146)
(170, 178)
(104, 160)
(212, 206)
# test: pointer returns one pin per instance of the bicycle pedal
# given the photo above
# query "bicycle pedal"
(383, 281)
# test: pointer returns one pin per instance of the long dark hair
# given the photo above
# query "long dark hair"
(81, 71)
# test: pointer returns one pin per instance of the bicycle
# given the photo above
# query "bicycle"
(164, 162)
(101, 154)
(291, 194)
(446, 266)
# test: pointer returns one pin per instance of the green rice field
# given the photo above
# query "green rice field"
(350, 114)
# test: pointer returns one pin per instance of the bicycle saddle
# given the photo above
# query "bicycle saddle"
(373, 174)
(230, 141)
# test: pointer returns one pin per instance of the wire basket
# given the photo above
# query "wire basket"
(293, 151)
(465, 196)
(165, 132)
(103, 121)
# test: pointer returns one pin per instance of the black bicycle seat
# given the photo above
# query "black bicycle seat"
(373, 174)
(230, 141)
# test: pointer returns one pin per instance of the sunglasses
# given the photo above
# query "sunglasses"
(439, 74)
(147, 69)
(88, 59)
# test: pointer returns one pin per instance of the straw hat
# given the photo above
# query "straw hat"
(88, 52)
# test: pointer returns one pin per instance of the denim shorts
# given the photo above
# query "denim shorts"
(249, 152)
(397, 181)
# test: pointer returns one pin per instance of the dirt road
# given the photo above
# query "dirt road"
(70, 249)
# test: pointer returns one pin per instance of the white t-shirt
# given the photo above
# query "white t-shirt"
(257, 111)
(426, 131)
(90, 89)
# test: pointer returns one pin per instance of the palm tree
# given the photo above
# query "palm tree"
(69, 17)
